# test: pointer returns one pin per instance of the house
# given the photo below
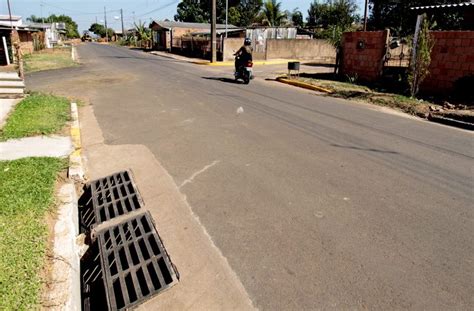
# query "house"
(166, 35)
(33, 36)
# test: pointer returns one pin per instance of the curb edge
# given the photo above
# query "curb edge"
(304, 85)
(76, 169)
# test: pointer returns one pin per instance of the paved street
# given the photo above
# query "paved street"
(315, 202)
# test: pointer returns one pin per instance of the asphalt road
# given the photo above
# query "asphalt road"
(317, 203)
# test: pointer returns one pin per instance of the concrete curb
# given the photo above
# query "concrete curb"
(65, 291)
(451, 122)
(76, 169)
(73, 53)
(304, 85)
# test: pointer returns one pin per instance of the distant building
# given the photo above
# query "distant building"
(33, 36)
(166, 35)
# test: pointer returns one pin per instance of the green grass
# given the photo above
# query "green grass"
(354, 91)
(49, 59)
(26, 194)
(38, 114)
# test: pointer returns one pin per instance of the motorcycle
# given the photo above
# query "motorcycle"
(245, 72)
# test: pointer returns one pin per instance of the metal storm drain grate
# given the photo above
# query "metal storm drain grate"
(134, 265)
(106, 198)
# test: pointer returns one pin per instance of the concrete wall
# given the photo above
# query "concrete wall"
(231, 45)
(452, 58)
(319, 50)
(366, 62)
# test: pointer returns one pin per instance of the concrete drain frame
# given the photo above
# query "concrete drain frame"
(126, 262)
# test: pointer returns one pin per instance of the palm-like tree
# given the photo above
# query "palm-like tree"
(272, 13)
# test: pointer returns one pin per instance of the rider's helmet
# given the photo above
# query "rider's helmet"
(247, 41)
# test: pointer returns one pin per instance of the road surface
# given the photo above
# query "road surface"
(317, 203)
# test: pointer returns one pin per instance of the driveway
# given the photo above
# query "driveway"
(315, 202)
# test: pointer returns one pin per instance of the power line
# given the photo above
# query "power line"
(159, 8)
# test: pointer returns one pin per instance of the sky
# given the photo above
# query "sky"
(85, 12)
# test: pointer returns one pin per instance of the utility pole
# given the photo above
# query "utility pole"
(121, 18)
(365, 14)
(213, 32)
(226, 15)
(10, 14)
(106, 30)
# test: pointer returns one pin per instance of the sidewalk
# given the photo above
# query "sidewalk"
(207, 282)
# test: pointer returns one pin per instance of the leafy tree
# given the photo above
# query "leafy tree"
(272, 14)
(71, 26)
(241, 13)
(99, 30)
(143, 32)
(249, 10)
(297, 18)
(396, 15)
(341, 13)
(192, 11)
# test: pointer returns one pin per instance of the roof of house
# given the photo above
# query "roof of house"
(445, 6)
(218, 31)
(172, 24)
(7, 17)
(37, 25)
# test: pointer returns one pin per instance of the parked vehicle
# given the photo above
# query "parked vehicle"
(245, 72)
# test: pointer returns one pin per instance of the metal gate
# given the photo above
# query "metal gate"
(398, 53)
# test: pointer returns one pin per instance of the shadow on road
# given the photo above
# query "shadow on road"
(227, 80)
(364, 149)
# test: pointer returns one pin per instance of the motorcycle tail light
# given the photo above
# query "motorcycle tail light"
(249, 64)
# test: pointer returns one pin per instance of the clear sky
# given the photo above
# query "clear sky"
(85, 12)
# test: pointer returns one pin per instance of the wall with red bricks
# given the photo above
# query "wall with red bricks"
(452, 58)
(366, 62)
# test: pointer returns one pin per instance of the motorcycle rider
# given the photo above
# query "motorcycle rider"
(244, 54)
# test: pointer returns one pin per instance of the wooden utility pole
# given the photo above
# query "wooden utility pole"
(121, 18)
(213, 32)
(365, 14)
(106, 30)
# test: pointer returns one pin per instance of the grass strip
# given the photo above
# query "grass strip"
(26, 193)
(354, 91)
(38, 114)
(48, 59)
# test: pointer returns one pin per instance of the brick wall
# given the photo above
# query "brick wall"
(452, 58)
(366, 62)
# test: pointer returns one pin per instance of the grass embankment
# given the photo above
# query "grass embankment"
(49, 59)
(38, 114)
(26, 194)
(363, 93)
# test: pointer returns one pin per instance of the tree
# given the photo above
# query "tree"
(249, 11)
(396, 15)
(421, 63)
(192, 11)
(241, 13)
(71, 26)
(341, 13)
(271, 13)
(99, 30)
(297, 18)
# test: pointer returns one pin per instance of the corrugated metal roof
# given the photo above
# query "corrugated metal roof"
(444, 6)
(7, 17)
(172, 24)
